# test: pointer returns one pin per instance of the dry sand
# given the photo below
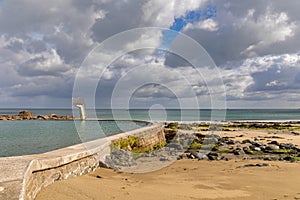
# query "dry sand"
(185, 179)
(190, 179)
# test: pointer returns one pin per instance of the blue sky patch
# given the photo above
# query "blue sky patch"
(190, 18)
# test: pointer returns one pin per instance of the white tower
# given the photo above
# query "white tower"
(79, 102)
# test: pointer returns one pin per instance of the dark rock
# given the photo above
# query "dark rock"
(288, 158)
(230, 142)
(179, 157)
(263, 165)
(255, 165)
(191, 156)
(164, 159)
(287, 146)
(255, 148)
(200, 136)
(274, 142)
(246, 141)
(213, 156)
(257, 144)
(238, 151)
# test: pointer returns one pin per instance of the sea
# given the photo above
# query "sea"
(33, 137)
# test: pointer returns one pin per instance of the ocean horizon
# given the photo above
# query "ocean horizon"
(36, 136)
(171, 114)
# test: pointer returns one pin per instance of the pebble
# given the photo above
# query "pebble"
(1, 189)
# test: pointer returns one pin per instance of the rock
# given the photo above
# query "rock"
(263, 165)
(257, 144)
(257, 149)
(230, 142)
(288, 158)
(164, 159)
(3, 118)
(25, 114)
(274, 142)
(238, 151)
(213, 156)
(54, 116)
(246, 148)
(272, 147)
(287, 146)
(185, 127)
(200, 156)
(246, 141)
(180, 157)
(191, 156)
(119, 158)
(255, 165)
(40, 117)
(175, 146)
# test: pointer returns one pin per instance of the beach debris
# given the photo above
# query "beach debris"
(255, 165)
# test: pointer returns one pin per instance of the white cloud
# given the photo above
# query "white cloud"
(208, 25)
(270, 27)
(162, 13)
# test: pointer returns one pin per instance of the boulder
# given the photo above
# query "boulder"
(238, 151)
(54, 116)
(274, 142)
(213, 156)
(272, 147)
(199, 156)
(3, 117)
(26, 114)
(287, 146)
(246, 141)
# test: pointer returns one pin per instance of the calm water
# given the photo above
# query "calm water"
(32, 137)
(29, 137)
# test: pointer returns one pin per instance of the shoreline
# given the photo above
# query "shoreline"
(236, 143)
(231, 171)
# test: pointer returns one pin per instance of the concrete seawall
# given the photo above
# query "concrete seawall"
(23, 177)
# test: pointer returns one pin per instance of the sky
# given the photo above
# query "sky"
(249, 55)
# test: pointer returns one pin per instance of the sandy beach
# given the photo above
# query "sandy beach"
(240, 177)
(185, 179)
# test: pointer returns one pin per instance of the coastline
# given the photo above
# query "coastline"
(22, 177)
(233, 137)
(229, 175)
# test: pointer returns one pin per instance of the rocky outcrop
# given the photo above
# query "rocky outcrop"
(27, 115)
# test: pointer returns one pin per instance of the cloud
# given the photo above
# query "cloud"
(273, 27)
(44, 64)
(250, 29)
(208, 25)
(255, 45)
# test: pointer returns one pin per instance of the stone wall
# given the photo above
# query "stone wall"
(78, 159)
(147, 139)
